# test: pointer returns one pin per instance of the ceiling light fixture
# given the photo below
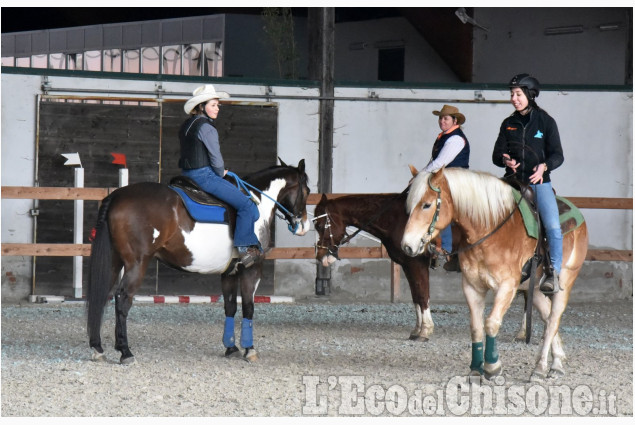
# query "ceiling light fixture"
(609, 27)
(572, 29)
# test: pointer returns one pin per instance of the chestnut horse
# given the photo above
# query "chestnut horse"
(142, 221)
(383, 216)
(483, 206)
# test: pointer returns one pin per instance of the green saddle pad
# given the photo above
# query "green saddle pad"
(570, 216)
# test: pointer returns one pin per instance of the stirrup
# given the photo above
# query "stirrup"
(434, 253)
(556, 284)
(452, 265)
(232, 269)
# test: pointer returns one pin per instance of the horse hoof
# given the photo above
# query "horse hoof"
(417, 337)
(127, 360)
(251, 355)
(492, 370)
(556, 374)
(475, 377)
(537, 377)
(96, 356)
(232, 352)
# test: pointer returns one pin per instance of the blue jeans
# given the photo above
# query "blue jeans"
(446, 238)
(548, 210)
(247, 211)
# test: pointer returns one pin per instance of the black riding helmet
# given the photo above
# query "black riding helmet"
(525, 81)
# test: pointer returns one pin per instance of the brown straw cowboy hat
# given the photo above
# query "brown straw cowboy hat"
(203, 94)
(453, 111)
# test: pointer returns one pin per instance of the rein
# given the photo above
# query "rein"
(243, 185)
(496, 229)
(427, 236)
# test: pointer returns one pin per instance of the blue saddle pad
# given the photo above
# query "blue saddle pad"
(201, 212)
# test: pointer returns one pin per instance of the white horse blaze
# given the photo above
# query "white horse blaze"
(211, 247)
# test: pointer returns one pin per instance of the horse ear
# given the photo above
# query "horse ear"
(439, 171)
(323, 198)
(301, 165)
(413, 170)
(436, 177)
(282, 162)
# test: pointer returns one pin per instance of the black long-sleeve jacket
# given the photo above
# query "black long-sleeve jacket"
(534, 143)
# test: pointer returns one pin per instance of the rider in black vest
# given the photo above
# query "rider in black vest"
(450, 149)
(202, 161)
(194, 153)
(462, 159)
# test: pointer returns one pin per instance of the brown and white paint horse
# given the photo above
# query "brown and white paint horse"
(477, 203)
(146, 221)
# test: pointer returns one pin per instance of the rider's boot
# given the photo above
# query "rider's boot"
(549, 282)
(250, 254)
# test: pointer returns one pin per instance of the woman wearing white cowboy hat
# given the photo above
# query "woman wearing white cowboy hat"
(202, 161)
(450, 149)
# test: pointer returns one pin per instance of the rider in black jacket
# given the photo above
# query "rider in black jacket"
(528, 146)
(531, 139)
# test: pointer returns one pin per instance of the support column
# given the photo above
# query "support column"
(321, 26)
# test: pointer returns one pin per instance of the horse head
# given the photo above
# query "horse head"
(428, 192)
(294, 198)
(330, 231)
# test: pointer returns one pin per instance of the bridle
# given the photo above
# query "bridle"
(334, 248)
(433, 223)
(425, 239)
(293, 220)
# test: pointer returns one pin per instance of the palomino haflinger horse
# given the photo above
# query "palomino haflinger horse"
(484, 209)
(142, 221)
(383, 216)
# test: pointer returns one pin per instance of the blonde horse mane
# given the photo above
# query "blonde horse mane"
(477, 195)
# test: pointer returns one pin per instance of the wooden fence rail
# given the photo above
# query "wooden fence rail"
(97, 194)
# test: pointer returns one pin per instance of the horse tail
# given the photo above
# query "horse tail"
(100, 274)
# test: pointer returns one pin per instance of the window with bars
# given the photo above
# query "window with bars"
(195, 59)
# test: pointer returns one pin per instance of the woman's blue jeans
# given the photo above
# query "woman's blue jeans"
(446, 238)
(548, 210)
(247, 211)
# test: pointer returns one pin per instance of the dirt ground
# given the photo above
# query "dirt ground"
(316, 359)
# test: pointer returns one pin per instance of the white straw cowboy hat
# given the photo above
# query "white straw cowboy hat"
(453, 111)
(203, 94)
